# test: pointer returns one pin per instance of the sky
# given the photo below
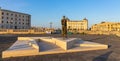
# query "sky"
(45, 11)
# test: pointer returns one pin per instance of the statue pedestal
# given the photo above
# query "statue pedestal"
(71, 43)
(28, 46)
(65, 44)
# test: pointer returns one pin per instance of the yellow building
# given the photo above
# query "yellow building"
(78, 25)
(106, 26)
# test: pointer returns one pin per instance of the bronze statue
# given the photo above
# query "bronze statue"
(64, 27)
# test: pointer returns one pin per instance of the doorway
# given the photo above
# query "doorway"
(15, 27)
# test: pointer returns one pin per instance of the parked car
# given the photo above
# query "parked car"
(56, 32)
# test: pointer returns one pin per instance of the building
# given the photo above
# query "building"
(73, 25)
(14, 20)
(106, 26)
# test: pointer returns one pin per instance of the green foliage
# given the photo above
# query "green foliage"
(1, 59)
(38, 40)
(69, 33)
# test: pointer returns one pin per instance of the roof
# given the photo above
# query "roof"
(14, 11)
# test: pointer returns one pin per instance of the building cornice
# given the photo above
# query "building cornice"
(15, 12)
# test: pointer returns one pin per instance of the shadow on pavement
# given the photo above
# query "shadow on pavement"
(103, 57)
(97, 38)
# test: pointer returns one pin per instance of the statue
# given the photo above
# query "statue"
(64, 27)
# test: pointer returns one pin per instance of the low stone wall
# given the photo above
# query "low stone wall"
(118, 34)
(21, 31)
(100, 32)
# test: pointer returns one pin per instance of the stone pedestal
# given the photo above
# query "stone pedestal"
(27, 46)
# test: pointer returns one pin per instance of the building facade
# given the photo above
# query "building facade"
(78, 25)
(106, 26)
(14, 20)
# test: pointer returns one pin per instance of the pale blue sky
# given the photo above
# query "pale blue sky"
(45, 11)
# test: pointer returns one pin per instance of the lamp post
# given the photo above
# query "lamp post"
(50, 25)
(50, 29)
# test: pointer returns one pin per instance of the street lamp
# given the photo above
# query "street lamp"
(50, 28)
(50, 25)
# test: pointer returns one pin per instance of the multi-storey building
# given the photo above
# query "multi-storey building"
(106, 26)
(14, 20)
(73, 25)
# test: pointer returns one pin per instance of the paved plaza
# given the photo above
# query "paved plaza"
(110, 54)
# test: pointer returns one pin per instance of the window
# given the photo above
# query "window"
(19, 15)
(11, 22)
(2, 17)
(7, 13)
(16, 19)
(15, 15)
(27, 23)
(2, 13)
(11, 18)
(15, 22)
(2, 21)
(81, 23)
(26, 16)
(7, 21)
(19, 23)
(29, 16)
(7, 18)
(11, 14)
(2, 26)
